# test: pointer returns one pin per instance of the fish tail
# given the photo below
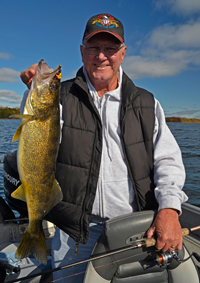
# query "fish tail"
(33, 243)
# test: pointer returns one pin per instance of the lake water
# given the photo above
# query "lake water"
(187, 136)
(7, 129)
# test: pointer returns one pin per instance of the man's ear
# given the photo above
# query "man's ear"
(123, 53)
(81, 50)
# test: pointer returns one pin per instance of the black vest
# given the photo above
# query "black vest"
(79, 156)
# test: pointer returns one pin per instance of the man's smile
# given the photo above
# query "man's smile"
(101, 66)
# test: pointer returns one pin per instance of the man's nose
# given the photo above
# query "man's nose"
(102, 55)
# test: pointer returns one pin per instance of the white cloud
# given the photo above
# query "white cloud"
(5, 55)
(138, 67)
(183, 7)
(10, 97)
(166, 51)
(180, 36)
(8, 75)
(184, 113)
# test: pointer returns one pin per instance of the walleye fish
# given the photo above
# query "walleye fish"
(39, 135)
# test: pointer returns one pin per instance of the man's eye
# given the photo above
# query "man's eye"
(111, 49)
(93, 48)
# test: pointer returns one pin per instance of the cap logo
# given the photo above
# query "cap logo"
(106, 21)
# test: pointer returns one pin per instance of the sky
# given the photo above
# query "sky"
(162, 39)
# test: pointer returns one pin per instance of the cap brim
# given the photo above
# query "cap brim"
(95, 32)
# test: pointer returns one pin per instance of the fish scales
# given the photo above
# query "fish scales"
(39, 136)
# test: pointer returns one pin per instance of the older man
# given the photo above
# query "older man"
(116, 155)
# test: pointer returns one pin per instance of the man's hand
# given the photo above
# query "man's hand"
(28, 74)
(166, 227)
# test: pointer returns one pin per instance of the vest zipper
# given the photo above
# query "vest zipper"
(95, 111)
(84, 203)
(129, 171)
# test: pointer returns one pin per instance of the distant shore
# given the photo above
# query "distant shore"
(182, 120)
(5, 112)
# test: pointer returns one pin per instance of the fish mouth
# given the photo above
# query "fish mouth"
(46, 71)
(43, 76)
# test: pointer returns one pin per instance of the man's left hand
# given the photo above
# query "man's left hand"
(166, 227)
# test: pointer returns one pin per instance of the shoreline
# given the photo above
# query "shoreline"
(182, 120)
(168, 119)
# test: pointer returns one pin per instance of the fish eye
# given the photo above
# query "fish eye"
(54, 86)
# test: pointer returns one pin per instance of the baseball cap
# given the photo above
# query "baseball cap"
(104, 23)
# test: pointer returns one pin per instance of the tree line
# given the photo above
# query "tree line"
(5, 112)
(182, 120)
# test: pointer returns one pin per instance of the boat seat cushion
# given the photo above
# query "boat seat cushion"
(117, 234)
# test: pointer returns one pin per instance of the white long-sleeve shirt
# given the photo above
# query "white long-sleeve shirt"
(115, 195)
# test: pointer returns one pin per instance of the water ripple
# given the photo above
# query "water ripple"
(188, 138)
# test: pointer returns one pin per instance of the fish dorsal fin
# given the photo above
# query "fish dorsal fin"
(19, 193)
(56, 196)
(26, 118)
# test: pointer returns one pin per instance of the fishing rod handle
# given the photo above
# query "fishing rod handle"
(185, 231)
(152, 241)
(149, 242)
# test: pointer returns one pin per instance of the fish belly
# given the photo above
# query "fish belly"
(37, 152)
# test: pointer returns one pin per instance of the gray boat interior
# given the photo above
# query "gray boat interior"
(136, 265)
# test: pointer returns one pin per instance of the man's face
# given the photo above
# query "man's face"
(101, 68)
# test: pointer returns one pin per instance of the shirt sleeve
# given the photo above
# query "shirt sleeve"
(23, 102)
(169, 171)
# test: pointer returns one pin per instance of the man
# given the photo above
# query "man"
(116, 155)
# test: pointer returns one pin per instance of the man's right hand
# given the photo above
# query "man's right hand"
(28, 74)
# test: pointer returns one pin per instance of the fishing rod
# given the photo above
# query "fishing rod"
(15, 269)
(163, 260)
(16, 220)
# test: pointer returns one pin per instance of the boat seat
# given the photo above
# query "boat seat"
(135, 265)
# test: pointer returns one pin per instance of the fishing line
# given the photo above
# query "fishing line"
(77, 263)
(146, 243)
(96, 267)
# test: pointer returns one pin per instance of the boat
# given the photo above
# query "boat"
(145, 264)
(13, 224)
(114, 258)
(12, 230)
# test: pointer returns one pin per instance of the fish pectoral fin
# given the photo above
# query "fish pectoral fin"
(19, 193)
(56, 196)
(17, 133)
(26, 118)
(22, 116)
